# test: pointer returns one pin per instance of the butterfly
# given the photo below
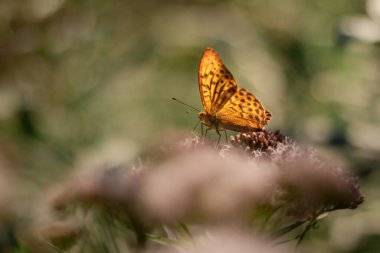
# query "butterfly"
(227, 107)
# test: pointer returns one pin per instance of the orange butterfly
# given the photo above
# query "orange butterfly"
(227, 106)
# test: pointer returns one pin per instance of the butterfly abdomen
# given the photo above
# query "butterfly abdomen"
(238, 128)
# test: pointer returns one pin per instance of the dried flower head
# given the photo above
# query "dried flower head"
(259, 141)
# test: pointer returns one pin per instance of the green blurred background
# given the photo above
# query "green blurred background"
(88, 83)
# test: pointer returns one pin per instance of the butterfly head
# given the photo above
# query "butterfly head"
(207, 119)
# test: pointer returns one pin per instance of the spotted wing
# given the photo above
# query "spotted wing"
(216, 83)
(243, 113)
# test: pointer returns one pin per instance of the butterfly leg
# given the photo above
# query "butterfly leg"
(196, 125)
(225, 133)
(209, 128)
(220, 136)
(206, 131)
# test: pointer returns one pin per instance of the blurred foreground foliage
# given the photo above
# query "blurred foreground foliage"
(87, 84)
(244, 193)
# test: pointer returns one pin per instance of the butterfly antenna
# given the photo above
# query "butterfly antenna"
(186, 104)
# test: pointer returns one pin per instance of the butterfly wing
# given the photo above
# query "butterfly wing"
(216, 83)
(243, 113)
